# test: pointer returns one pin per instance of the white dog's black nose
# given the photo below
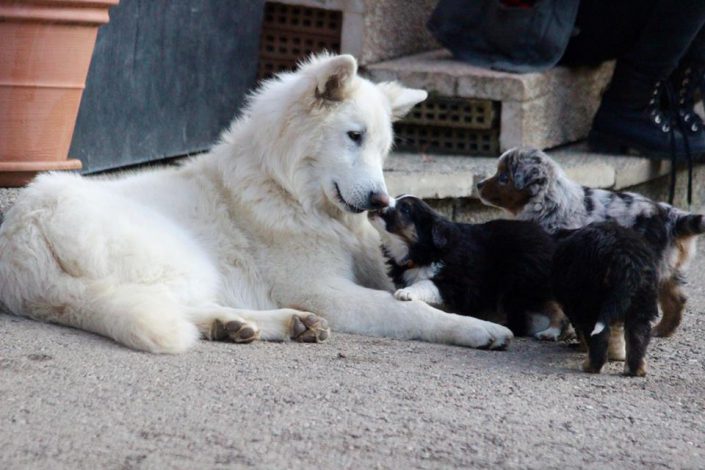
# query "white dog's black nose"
(378, 200)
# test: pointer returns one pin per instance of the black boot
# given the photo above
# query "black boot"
(687, 80)
(638, 112)
(631, 117)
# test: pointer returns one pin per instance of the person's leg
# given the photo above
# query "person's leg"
(631, 115)
(666, 37)
(696, 52)
(605, 30)
(687, 80)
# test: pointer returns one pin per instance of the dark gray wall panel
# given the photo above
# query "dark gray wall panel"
(166, 77)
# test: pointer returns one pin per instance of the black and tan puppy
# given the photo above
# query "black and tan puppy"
(531, 186)
(605, 278)
(481, 270)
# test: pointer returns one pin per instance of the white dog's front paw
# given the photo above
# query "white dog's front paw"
(485, 335)
(551, 333)
(405, 294)
(501, 336)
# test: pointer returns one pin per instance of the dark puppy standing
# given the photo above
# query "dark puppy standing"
(603, 275)
(473, 269)
(531, 186)
(606, 276)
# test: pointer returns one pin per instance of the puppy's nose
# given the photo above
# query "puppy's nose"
(378, 200)
(480, 185)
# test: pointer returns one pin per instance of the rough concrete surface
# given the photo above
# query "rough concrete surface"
(71, 399)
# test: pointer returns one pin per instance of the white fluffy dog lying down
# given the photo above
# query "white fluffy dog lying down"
(242, 243)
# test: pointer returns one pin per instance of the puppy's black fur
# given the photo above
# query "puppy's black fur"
(607, 274)
(500, 266)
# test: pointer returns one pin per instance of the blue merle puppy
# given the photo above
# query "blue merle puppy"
(498, 270)
(531, 186)
(604, 276)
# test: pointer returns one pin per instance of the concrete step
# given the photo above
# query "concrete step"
(541, 110)
(448, 182)
(376, 30)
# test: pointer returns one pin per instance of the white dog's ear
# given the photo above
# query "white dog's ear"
(401, 99)
(334, 75)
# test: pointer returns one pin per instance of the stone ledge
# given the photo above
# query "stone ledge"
(541, 110)
(454, 177)
(438, 71)
(442, 177)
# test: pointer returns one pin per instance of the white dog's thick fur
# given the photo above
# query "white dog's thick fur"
(265, 225)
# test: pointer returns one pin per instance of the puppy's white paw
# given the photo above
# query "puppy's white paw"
(405, 294)
(551, 333)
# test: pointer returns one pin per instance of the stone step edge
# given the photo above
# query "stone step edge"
(436, 71)
(442, 176)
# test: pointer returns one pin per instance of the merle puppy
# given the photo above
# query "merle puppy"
(605, 278)
(531, 186)
(500, 267)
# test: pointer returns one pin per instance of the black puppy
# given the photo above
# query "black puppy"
(605, 278)
(500, 267)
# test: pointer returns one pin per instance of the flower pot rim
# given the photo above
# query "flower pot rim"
(81, 12)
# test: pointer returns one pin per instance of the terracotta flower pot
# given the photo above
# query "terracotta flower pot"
(45, 51)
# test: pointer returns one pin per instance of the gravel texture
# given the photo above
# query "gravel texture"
(71, 399)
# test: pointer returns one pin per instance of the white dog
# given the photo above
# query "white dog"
(238, 244)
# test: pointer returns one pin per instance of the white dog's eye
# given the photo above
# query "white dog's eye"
(355, 136)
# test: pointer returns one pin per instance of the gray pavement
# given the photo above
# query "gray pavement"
(70, 399)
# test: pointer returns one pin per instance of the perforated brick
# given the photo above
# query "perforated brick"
(292, 32)
(454, 112)
(450, 140)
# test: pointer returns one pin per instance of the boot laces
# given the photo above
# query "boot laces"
(686, 100)
(674, 108)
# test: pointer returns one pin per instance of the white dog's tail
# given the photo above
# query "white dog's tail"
(140, 316)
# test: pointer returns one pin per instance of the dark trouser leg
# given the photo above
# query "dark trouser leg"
(606, 30)
(667, 36)
(696, 51)
(651, 36)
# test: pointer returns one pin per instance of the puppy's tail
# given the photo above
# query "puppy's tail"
(688, 225)
(623, 282)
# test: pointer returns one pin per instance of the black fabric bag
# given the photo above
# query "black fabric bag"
(490, 34)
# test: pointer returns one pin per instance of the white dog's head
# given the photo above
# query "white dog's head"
(330, 131)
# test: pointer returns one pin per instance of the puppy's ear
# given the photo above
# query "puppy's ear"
(400, 98)
(529, 170)
(334, 76)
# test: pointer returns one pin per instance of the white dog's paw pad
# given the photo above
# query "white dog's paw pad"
(549, 334)
(241, 331)
(309, 328)
(404, 294)
(237, 331)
